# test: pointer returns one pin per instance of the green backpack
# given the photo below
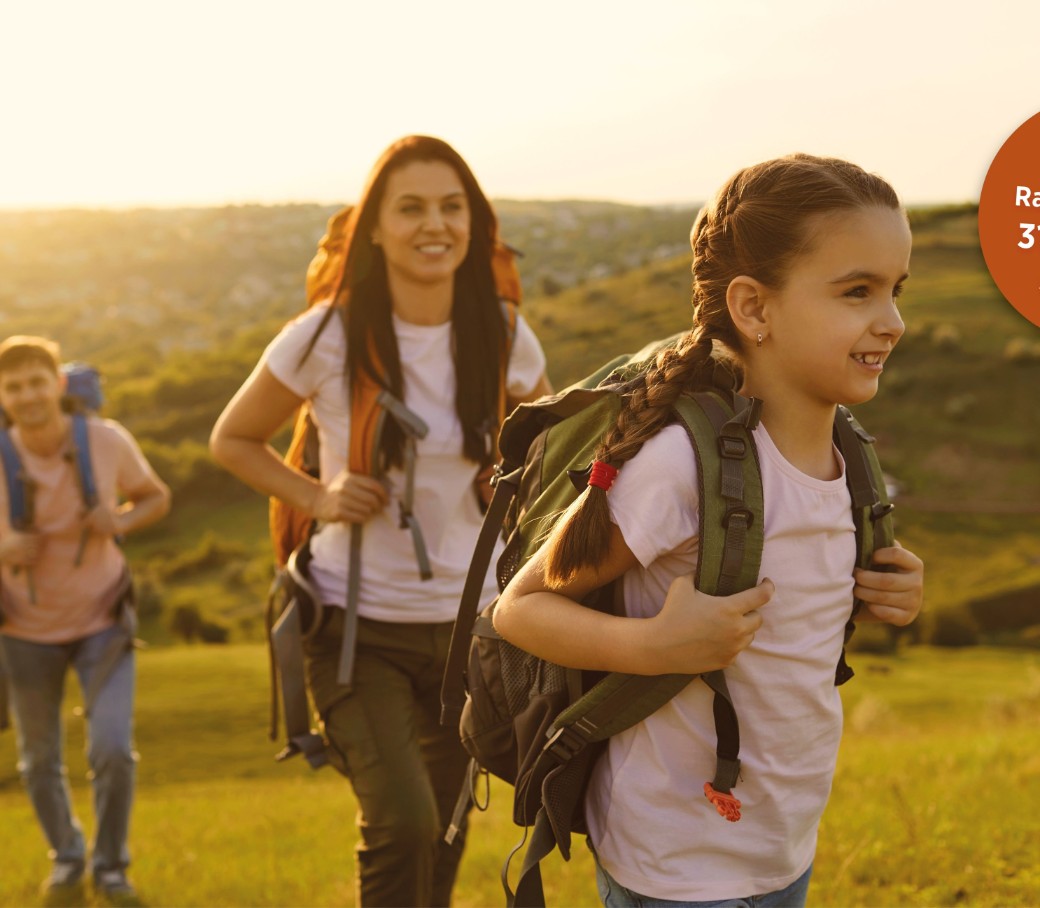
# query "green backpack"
(540, 726)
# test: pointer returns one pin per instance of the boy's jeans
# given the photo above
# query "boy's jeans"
(36, 676)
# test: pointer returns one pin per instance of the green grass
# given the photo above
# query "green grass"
(933, 804)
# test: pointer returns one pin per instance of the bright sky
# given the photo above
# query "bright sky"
(137, 102)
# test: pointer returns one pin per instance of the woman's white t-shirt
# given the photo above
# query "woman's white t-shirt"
(653, 829)
(445, 503)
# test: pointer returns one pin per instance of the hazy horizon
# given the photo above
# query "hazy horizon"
(122, 105)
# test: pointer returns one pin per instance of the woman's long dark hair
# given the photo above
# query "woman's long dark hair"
(478, 327)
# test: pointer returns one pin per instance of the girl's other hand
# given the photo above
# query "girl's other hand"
(349, 498)
(895, 596)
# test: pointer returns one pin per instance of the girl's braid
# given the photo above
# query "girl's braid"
(582, 536)
(647, 408)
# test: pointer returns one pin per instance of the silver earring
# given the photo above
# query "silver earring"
(759, 343)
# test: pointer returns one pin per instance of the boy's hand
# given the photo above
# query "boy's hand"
(19, 549)
(892, 597)
(104, 521)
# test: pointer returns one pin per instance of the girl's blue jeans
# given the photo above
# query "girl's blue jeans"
(614, 895)
(36, 679)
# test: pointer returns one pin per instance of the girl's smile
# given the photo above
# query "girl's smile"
(832, 325)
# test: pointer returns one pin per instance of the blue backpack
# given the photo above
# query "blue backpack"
(83, 395)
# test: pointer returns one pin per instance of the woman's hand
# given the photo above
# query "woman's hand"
(892, 597)
(695, 632)
(349, 498)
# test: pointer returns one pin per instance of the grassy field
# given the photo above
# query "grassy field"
(934, 802)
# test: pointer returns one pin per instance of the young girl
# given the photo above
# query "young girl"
(419, 293)
(797, 264)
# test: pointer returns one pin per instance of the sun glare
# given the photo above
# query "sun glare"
(123, 103)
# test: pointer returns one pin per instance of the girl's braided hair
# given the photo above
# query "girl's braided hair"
(761, 219)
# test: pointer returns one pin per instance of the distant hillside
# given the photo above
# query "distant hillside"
(176, 306)
(958, 409)
(187, 279)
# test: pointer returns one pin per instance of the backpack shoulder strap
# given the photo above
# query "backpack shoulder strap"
(871, 509)
(17, 499)
(719, 426)
(84, 463)
(730, 487)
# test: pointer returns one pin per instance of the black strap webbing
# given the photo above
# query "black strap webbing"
(453, 689)
(529, 892)
(345, 673)
(287, 644)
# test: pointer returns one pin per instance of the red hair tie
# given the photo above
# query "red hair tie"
(602, 475)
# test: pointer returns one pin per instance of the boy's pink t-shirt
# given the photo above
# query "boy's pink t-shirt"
(653, 829)
(71, 601)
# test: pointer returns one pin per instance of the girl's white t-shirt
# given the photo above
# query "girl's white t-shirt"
(445, 502)
(653, 829)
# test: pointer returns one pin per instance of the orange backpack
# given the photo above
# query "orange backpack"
(289, 527)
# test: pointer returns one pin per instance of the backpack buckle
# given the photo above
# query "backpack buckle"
(745, 515)
(880, 510)
(724, 802)
(732, 448)
(565, 744)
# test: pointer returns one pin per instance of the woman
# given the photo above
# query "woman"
(420, 317)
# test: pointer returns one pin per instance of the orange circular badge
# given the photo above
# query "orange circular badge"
(1009, 219)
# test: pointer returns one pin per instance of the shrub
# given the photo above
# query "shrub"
(953, 629)
(148, 595)
(1030, 636)
(186, 623)
(210, 553)
(1009, 611)
(213, 632)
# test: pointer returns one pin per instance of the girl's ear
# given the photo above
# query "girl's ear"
(745, 299)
